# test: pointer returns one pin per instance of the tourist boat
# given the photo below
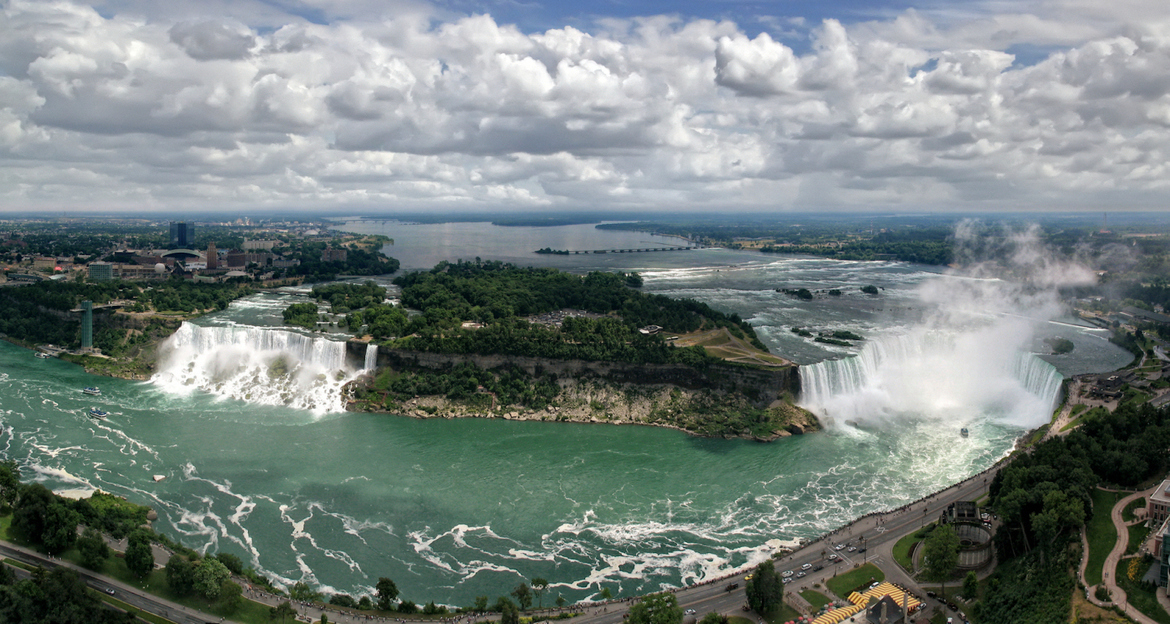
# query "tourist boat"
(92, 390)
(963, 432)
(98, 413)
(43, 355)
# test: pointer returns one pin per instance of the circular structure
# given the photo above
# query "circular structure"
(975, 546)
(182, 254)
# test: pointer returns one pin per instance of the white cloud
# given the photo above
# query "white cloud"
(136, 106)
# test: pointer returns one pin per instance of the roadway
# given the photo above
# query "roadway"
(877, 533)
(126, 593)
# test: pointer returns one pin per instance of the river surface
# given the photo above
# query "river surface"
(453, 509)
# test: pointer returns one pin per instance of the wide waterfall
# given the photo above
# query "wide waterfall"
(955, 377)
(258, 365)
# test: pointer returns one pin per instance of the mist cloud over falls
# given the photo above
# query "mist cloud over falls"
(969, 358)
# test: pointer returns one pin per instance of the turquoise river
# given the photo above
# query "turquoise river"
(273, 470)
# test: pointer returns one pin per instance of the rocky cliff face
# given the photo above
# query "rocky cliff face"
(722, 401)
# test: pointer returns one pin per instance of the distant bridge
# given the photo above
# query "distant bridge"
(573, 252)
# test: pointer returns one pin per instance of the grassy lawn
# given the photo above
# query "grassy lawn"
(902, 551)
(779, 616)
(1140, 596)
(1102, 535)
(1127, 513)
(1137, 534)
(815, 598)
(855, 579)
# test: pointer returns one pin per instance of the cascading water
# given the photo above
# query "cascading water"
(955, 377)
(258, 365)
(371, 358)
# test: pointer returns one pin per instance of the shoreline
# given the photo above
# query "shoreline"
(603, 402)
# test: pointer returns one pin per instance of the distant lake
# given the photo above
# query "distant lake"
(423, 245)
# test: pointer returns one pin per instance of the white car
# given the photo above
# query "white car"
(807, 566)
(787, 573)
(688, 611)
(839, 547)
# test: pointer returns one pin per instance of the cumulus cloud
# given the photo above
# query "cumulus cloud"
(416, 108)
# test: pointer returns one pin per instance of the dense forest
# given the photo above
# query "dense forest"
(39, 313)
(1044, 497)
(499, 295)
(487, 291)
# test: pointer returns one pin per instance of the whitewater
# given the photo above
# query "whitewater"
(243, 421)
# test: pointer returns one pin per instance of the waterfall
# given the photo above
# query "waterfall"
(371, 357)
(933, 374)
(257, 365)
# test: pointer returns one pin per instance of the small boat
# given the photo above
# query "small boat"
(42, 355)
(963, 432)
(92, 390)
(98, 412)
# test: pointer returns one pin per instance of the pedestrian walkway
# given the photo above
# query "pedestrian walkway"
(1117, 594)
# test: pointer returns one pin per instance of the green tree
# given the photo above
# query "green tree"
(713, 618)
(523, 595)
(971, 586)
(139, 555)
(180, 575)
(539, 585)
(560, 600)
(210, 575)
(509, 614)
(301, 591)
(284, 612)
(387, 593)
(407, 606)
(9, 481)
(656, 609)
(231, 595)
(60, 530)
(93, 549)
(29, 511)
(606, 594)
(480, 604)
(231, 562)
(941, 554)
(765, 591)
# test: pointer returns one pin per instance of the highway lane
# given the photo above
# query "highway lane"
(126, 593)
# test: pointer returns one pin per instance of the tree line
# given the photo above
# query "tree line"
(1043, 498)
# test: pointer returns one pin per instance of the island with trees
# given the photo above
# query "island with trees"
(490, 339)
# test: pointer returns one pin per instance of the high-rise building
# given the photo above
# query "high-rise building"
(182, 234)
(212, 257)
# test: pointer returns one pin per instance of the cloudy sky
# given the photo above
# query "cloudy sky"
(691, 105)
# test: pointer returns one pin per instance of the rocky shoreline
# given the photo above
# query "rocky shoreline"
(697, 412)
